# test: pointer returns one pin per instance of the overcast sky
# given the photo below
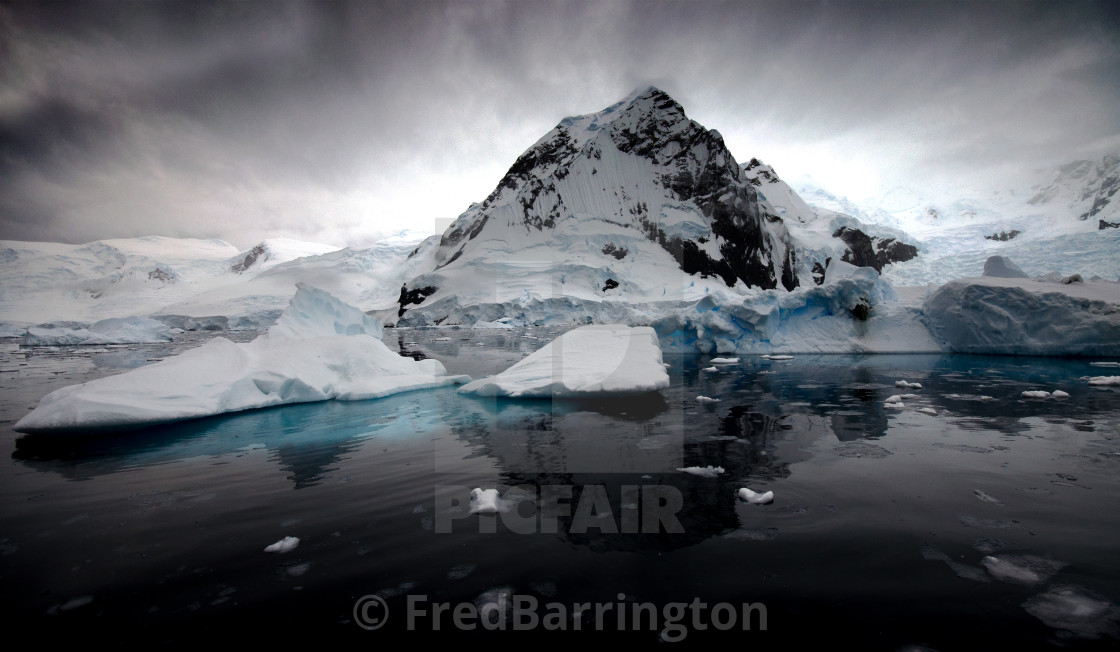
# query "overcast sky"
(344, 122)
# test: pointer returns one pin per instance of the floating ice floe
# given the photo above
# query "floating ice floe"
(1036, 394)
(588, 361)
(748, 496)
(319, 349)
(702, 471)
(706, 399)
(988, 498)
(1105, 380)
(725, 361)
(1059, 394)
(896, 398)
(287, 544)
(928, 410)
(1076, 610)
(907, 385)
(484, 501)
(1104, 364)
(1021, 569)
(777, 357)
(710, 369)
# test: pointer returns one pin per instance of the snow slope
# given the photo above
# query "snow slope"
(1066, 221)
(169, 277)
(302, 359)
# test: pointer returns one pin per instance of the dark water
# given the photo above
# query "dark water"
(994, 522)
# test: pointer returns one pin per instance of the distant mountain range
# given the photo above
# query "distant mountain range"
(634, 206)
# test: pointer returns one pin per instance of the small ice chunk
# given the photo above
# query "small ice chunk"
(907, 385)
(1021, 569)
(988, 498)
(1036, 394)
(928, 410)
(710, 369)
(1059, 394)
(1104, 364)
(1077, 610)
(702, 471)
(748, 496)
(894, 406)
(287, 544)
(725, 360)
(779, 357)
(910, 396)
(893, 399)
(484, 501)
(1105, 380)
(706, 399)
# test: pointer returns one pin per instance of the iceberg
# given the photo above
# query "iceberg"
(588, 361)
(1002, 267)
(125, 330)
(320, 349)
(1020, 316)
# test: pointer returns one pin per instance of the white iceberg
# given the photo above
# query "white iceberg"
(1036, 394)
(748, 496)
(484, 501)
(287, 544)
(725, 360)
(587, 361)
(706, 399)
(907, 385)
(302, 359)
(1060, 394)
(1104, 380)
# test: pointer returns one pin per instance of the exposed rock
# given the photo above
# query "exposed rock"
(873, 251)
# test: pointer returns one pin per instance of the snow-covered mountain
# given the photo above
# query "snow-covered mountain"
(43, 282)
(636, 203)
(1065, 221)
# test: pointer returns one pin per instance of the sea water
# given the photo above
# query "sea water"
(969, 517)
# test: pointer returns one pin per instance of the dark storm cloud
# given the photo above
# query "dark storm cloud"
(339, 120)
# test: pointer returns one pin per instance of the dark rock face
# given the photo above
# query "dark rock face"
(1003, 236)
(416, 296)
(873, 251)
(250, 259)
(159, 274)
(611, 250)
(1102, 225)
(610, 284)
(818, 271)
(1109, 187)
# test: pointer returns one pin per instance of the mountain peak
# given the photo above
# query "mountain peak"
(637, 184)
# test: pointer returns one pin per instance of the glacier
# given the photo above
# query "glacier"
(319, 350)
(115, 330)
